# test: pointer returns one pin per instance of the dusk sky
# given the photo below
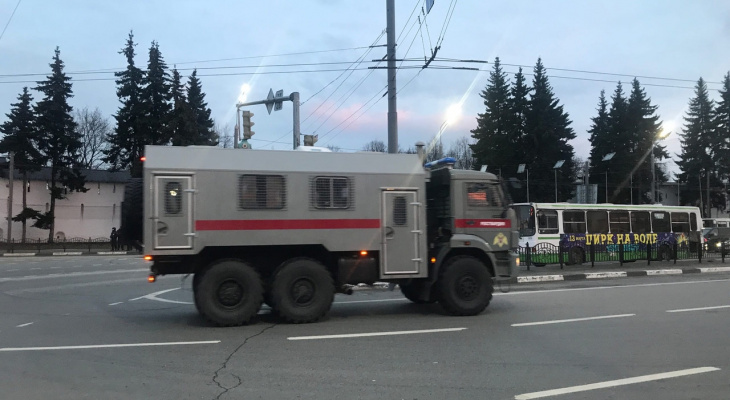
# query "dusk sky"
(238, 43)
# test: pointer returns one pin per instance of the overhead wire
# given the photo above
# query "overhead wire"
(10, 19)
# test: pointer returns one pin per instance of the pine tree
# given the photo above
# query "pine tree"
(546, 141)
(722, 126)
(21, 138)
(127, 142)
(699, 145)
(519, 107)
(156, 98)
(493, 140)
(621, 166)
(181, 120)
(59, 143)
(602, 144)
(203, 123)
(643, 128)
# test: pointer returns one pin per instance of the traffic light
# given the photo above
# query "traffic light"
(310, 140)
(247, 124)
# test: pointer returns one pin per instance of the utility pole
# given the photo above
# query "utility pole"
(11, 168)
(392, 109)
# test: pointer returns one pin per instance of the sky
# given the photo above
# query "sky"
(320, 48)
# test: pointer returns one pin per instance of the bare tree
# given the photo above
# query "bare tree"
(225, 135)
(94, 129)
(334, 149)
(376, 146)
(461, 151)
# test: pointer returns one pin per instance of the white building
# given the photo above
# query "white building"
(79, 215)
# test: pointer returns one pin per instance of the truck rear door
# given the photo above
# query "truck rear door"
(172, 212)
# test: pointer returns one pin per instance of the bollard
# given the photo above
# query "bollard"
(700, 249)
(722, 252)
(528, 255)
(648, 254)
(560, 254)
(621, 255)
(593, 255)
(675, 248)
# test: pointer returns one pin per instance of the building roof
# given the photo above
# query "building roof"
(92, 175)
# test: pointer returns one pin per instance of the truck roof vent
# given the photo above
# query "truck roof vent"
(446, 162)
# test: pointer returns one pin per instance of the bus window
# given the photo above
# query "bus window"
(619, 221)
(597, 221)
(660, 222)
(680, 222)
(526, 216)
(547, 221)
(693, 221)
(640, 222)
(574, 222)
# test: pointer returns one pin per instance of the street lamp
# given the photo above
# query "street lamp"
(555, 169)
(607, 157)
(523, 168)
(662, 135)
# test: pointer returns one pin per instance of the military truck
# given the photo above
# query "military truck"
(292, 228)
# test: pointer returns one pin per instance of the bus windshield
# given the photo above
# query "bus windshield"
(526, 218)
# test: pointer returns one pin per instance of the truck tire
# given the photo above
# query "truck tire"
(412, 292)
(229, 293)
(302, 291)
(465, 286)
(132, 210)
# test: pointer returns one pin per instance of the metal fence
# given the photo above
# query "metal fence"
(544, 254)
(39, 245)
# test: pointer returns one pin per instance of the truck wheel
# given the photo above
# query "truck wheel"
(412, 292)
(465, 286)
(576, 256)
(303, 291)
(229, 293)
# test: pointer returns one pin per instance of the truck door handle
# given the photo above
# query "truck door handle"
(389, 232)
(162, 228)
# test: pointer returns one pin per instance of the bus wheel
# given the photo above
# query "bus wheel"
(665, 254)
(302, 291)
(412, 292)
(465, 286)
(576, 256)
(229, 293)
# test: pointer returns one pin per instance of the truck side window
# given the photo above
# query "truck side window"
(261, 192)
(173, 198)
(478, 195)
(331, 192)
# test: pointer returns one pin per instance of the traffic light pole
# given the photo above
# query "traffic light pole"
(294, 98)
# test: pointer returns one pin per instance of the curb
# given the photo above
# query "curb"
(19, 254)
(619, 274)
(67, 253)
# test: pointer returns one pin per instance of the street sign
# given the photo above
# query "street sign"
(270, 103)
(279, 94)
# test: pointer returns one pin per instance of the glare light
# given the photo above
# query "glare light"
(245, 89)
(143, 159)
(453, 113)
(433, 260)
(363, 253)
(151, 279)
(148, 258)
(518, 261)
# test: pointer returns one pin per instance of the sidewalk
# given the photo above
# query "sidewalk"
(602, 270)
(59, 251)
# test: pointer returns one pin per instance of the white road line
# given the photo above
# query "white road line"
(560, 321)
(370, 301)
(618, 382)
(70, 275)
(12, 270)
(74, 285)
(392, 333)
(117, 303)
(22, 325)
(107, 346)
(607, 287)
(601, 275)
(671, 271)
(153, 296)
(699, 309)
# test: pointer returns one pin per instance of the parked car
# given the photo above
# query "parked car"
(715, 238)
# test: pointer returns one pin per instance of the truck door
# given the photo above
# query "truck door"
(172, 212)
(401, 235)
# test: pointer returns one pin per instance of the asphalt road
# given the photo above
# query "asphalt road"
(92, 327)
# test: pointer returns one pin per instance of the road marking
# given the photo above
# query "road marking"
(153, 296)
(618, 382)
(560, 321)
(69, 275)
(671, 271)
(12, 270)
(117, 303)
(607, 287)
(699, 309)
(107, 346)
(73, 285)
(601, 275)
(392, 333)
(22, 325)
(369, 301)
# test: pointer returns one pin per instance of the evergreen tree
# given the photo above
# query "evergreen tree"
(59, 143)
(203, 123)
(699, 145)
(127, 142)
(643, 128)
(21, 138)
(493, 141)
(548, 131)
(181, 120)
(722, 126)
(156, 97)
(622, 164)
(602, 144)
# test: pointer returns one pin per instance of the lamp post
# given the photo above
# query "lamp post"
(555, 169)
(523, 168)
(607, 157)
(662, 135)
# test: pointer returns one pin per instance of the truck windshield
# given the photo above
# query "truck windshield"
(526, 218)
